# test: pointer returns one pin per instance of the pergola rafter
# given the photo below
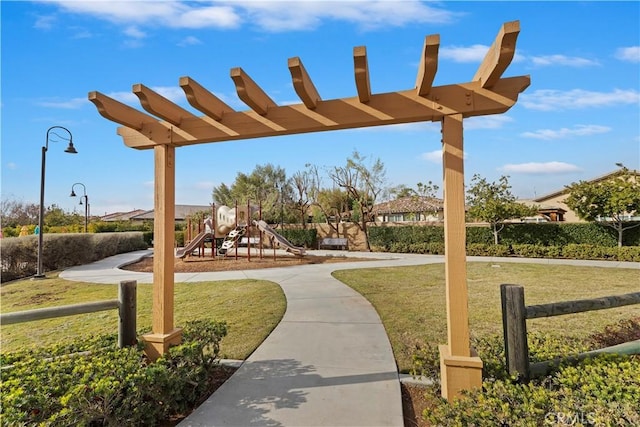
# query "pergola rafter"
(168, 126)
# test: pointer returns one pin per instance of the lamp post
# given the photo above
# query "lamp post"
(86, 203)
(70, 149)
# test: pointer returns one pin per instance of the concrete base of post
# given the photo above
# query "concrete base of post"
(458, 373)
(157, 345)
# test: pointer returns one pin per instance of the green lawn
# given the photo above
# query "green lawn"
(251, 308)
(411, 300)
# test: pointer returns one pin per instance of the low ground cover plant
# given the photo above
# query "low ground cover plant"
(600, 390)
(92, 382)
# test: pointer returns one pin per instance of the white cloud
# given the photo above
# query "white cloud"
(631, 54)
(435, 156)
(432, 156)
(570, 61)
(11, 166)
(533, 168)
(70, 104)
(475, 53)
(268, 15)
(134, 32)
(189, 41)
(44, 22)
(553, 100)
(578, 130)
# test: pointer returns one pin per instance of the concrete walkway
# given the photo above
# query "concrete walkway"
(327, 363)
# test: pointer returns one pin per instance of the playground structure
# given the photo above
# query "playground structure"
(168, 126)
(231, 225)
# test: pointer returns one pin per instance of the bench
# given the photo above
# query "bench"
(254, 241)
(333, 243)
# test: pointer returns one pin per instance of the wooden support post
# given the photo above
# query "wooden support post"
(459, 370)
(514, 324)
(163, 332)
(248, 233)
(127, 300)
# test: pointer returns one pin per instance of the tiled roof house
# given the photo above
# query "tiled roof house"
(410, 209)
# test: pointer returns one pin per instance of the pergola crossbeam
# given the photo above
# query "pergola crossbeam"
(361, 71)
(250, 93)
(118, 112)
(428, 64)
(468, 99)
(203, 100)
(160, 106)
(302, 83)
(499, 56)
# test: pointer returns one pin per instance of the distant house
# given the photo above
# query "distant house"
(181, 212)
(410, 209)
(121, 216)
(546, 213)
(553, 206)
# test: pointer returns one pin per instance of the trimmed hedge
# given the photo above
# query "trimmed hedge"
(20, 254)
(307, 237)
(546, 234)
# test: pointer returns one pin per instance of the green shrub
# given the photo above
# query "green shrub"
(536, 251)
(301, 237)
(599, 391)
(105, 385)
(482, 249)
(20, 254)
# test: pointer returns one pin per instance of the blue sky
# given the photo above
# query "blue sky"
(579, 117)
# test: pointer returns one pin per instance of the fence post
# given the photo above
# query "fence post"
(127, 300)
(514, 326)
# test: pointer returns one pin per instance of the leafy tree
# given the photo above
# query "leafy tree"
(423, 190)
(266, 184)
(364, 184)
(427, 190)
(610, 201)
(493, 202)
(14, 213)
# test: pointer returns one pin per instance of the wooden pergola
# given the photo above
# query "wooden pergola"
(168, 126)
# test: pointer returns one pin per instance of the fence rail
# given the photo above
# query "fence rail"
(514, 322)
(126, 305)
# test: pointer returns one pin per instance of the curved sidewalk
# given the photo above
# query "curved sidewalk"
(327, 363)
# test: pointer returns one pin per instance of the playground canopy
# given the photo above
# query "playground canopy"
(168, 126)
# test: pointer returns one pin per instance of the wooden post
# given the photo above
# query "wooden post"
(127, 300)
(248, 233)
(459, 369)
(163, 332)
(514, 324)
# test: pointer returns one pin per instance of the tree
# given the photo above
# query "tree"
(266, 184)
(423, 190)
(364, 184)
(610, 201)
(15, 213)
(493, 202)
(303, 183)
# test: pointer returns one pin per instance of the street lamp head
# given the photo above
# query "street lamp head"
(71, 149)
(73, 193)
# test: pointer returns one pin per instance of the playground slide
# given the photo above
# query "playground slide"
(284, 243)
(181, 253)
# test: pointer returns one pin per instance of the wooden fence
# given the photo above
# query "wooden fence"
(514, 322)
(126, 305)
